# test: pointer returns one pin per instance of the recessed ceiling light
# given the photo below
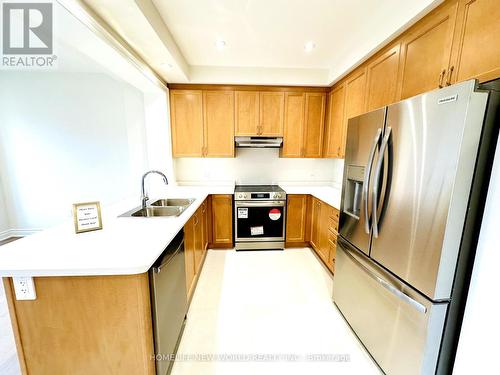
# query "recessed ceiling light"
(220, 44)
(309, 46)
(166, 65)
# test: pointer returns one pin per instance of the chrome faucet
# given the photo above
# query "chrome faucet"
(144, 197)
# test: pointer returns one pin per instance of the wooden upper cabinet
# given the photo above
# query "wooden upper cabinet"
(293, 131)
(476, 47)
(296, 218)
(355, 94)
(186, 117)
(335, 123)
(272, 108)
(218, 110)
(222, 220)
(246, 112)
(382, 78)
(314, 124)
(426, 53)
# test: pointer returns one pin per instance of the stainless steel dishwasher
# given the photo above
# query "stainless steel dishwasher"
(169, 302)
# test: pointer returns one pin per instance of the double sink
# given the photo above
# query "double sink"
(161, 208)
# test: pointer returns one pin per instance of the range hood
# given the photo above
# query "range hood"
(258, 142)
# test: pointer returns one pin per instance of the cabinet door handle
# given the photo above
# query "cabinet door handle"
(196, 220)
(450, 73)
(441, 77)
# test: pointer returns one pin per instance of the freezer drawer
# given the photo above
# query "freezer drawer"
(400, 328)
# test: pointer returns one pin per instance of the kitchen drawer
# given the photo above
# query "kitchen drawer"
(332, 236)
(333, 225)
(332, 245)
(335, 214)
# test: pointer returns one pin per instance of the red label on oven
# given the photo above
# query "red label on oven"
(274, 214)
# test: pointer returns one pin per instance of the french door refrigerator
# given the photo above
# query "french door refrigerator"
(415, 177)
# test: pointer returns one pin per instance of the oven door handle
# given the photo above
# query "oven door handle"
(260, 204)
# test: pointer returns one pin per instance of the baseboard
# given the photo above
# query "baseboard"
(220, 246)
(296, 244)
(17, 233)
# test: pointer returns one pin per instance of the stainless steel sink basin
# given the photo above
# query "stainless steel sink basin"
(161, 207)
(158, 211)
(154, 211)
(172, 202)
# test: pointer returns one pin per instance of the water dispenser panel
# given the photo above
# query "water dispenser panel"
(354, 190)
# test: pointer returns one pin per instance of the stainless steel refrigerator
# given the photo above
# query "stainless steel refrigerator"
(415, 178)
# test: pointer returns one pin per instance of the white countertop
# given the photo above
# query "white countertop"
(125, 245)
(328, 194)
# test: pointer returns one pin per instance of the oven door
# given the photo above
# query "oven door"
(259, 221)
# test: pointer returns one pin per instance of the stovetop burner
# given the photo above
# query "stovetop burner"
(258, 188)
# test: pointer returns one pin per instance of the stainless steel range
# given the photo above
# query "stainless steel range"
(259, 217)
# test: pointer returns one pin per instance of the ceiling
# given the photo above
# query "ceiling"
(264, 39)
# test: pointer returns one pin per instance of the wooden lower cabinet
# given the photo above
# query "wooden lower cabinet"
(88, 325)
(319, 228)
(205, 212)
(222, 221)
(195, 245)
(198, 240)
(189, 254)
(296, 214)
(315, 212)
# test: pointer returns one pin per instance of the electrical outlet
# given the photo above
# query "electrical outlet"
(24, 288)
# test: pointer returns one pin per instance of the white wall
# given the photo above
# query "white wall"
(477, 349)
(4, 218)
(65, 138)
(258, 166)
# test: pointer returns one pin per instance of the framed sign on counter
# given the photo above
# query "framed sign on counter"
(87, 216)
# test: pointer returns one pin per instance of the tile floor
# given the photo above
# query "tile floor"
(267, 303)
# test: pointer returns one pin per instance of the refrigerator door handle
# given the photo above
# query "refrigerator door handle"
(366, 178)
(402, 296)
(378, 171)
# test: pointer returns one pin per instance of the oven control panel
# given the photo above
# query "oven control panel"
(259, 193)
(241, 196)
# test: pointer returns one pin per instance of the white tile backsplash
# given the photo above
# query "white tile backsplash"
(259, 166)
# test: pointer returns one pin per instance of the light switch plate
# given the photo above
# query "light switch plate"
(24, 288)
